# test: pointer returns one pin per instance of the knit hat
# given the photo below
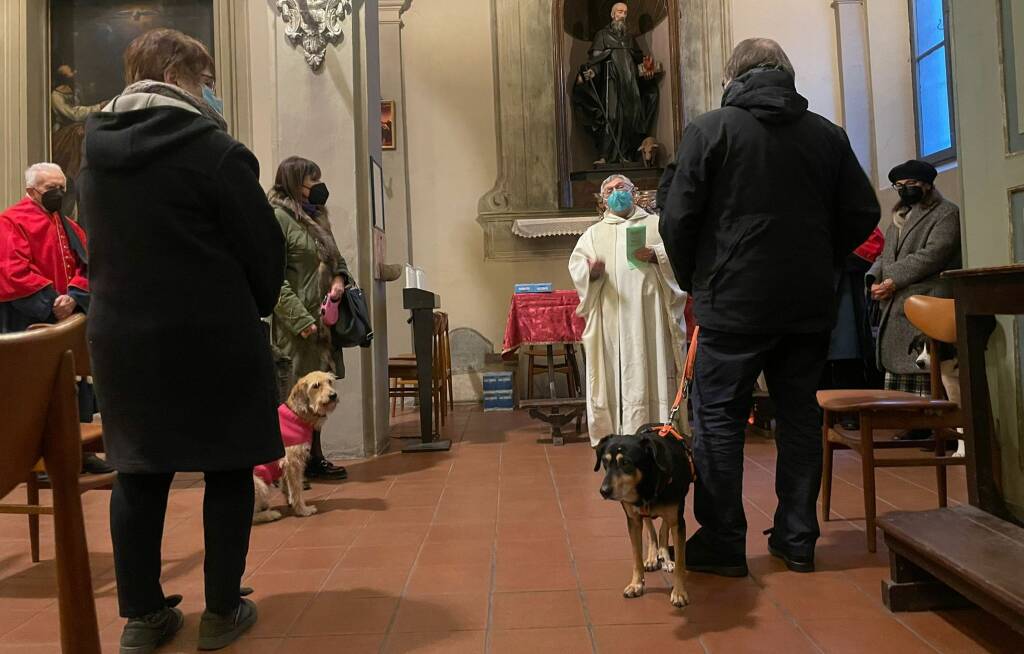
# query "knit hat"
(921, 171)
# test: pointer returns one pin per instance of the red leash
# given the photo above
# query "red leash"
(669, 428)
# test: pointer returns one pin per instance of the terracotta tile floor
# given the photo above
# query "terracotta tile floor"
(503, 545)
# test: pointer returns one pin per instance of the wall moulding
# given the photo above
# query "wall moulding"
(527, 114)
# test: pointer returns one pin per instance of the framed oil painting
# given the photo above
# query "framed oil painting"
(87, 43)
(387, 125)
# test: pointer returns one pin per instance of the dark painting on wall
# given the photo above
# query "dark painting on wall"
(87, 43)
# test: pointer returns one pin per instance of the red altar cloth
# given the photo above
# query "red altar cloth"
(542, 318)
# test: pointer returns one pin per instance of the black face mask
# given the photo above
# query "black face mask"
(911, 194)
(318, 194)
(52, 200)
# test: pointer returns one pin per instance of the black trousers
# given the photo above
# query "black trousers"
(138, 505)
(725, 371)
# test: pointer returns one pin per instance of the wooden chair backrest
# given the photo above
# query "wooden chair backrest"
(39, 412)
(83, 364)
(31, 362)
(935, 317)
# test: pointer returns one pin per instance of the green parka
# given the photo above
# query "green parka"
(312, 261)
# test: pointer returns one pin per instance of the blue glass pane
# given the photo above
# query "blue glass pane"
(933, 103)
(928, 27)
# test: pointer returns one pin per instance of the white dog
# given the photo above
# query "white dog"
(310, 402)
(949, 370)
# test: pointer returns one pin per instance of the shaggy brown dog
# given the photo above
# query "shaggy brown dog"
(311, 400)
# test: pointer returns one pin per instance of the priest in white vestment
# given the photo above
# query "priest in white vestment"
(635, 338)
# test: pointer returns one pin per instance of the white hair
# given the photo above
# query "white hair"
(612, 178)
(32, 173)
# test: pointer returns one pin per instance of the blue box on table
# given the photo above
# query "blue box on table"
(545, 287)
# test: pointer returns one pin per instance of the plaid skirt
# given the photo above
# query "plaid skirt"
(912, 383)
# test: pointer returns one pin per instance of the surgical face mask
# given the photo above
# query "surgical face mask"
(620, 201)
(52, 200)
(318, 194)
(211, 99)
(911, 194)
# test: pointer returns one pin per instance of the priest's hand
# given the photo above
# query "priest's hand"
(596, 269)
(646, 254)
(63, 306)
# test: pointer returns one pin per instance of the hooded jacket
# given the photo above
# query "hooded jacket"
(764, 201)
(186, 256)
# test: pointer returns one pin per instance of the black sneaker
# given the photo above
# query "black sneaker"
(324, 469)
(144, 635)
(217, 631)
(93, 465)
(700, 557)
(795, 562)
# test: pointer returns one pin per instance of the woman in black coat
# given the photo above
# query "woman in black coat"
(186, 257)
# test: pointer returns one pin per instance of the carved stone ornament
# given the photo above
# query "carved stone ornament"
(313, 23)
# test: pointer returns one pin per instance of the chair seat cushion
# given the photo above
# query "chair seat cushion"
(880, 400)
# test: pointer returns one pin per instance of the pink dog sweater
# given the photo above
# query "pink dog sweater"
(294, 431)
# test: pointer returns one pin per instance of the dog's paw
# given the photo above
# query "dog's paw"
(633, 590)
(679, 598)
(652, 564)
(305, 510)
(263, 517)
(668, 565)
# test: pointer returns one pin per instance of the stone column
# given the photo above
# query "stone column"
(398, 227)
(855, 81)
(332, 115)
(23, 101)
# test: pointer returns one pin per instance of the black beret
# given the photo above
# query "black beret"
(922, 171)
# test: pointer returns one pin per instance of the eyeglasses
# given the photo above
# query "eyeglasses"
(619, 187)
(208, 80)
(900, 187)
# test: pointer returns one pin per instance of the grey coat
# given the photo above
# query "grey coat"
(928, 245)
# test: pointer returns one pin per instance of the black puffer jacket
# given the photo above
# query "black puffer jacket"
(762, 203)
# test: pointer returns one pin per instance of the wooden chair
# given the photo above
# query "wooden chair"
(885, 415)
(40, 420)
(91, 434)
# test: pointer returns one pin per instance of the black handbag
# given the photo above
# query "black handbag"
(353, 328)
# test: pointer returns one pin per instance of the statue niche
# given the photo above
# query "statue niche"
(617, 114)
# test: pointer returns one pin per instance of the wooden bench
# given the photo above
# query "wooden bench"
(951, 558)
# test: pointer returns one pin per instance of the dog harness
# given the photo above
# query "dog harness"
(294, 431)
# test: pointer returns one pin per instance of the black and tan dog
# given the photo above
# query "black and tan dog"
(650, 475)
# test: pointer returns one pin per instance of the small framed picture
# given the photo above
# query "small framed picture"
(387, 125)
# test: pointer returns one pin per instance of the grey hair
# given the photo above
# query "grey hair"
(754, 53)
(616, 5)
(32, 172)
(614, 177)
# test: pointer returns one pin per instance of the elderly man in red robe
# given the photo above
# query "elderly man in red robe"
(43, 267)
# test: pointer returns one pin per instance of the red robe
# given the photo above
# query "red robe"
(871, 248)
(35, 252)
